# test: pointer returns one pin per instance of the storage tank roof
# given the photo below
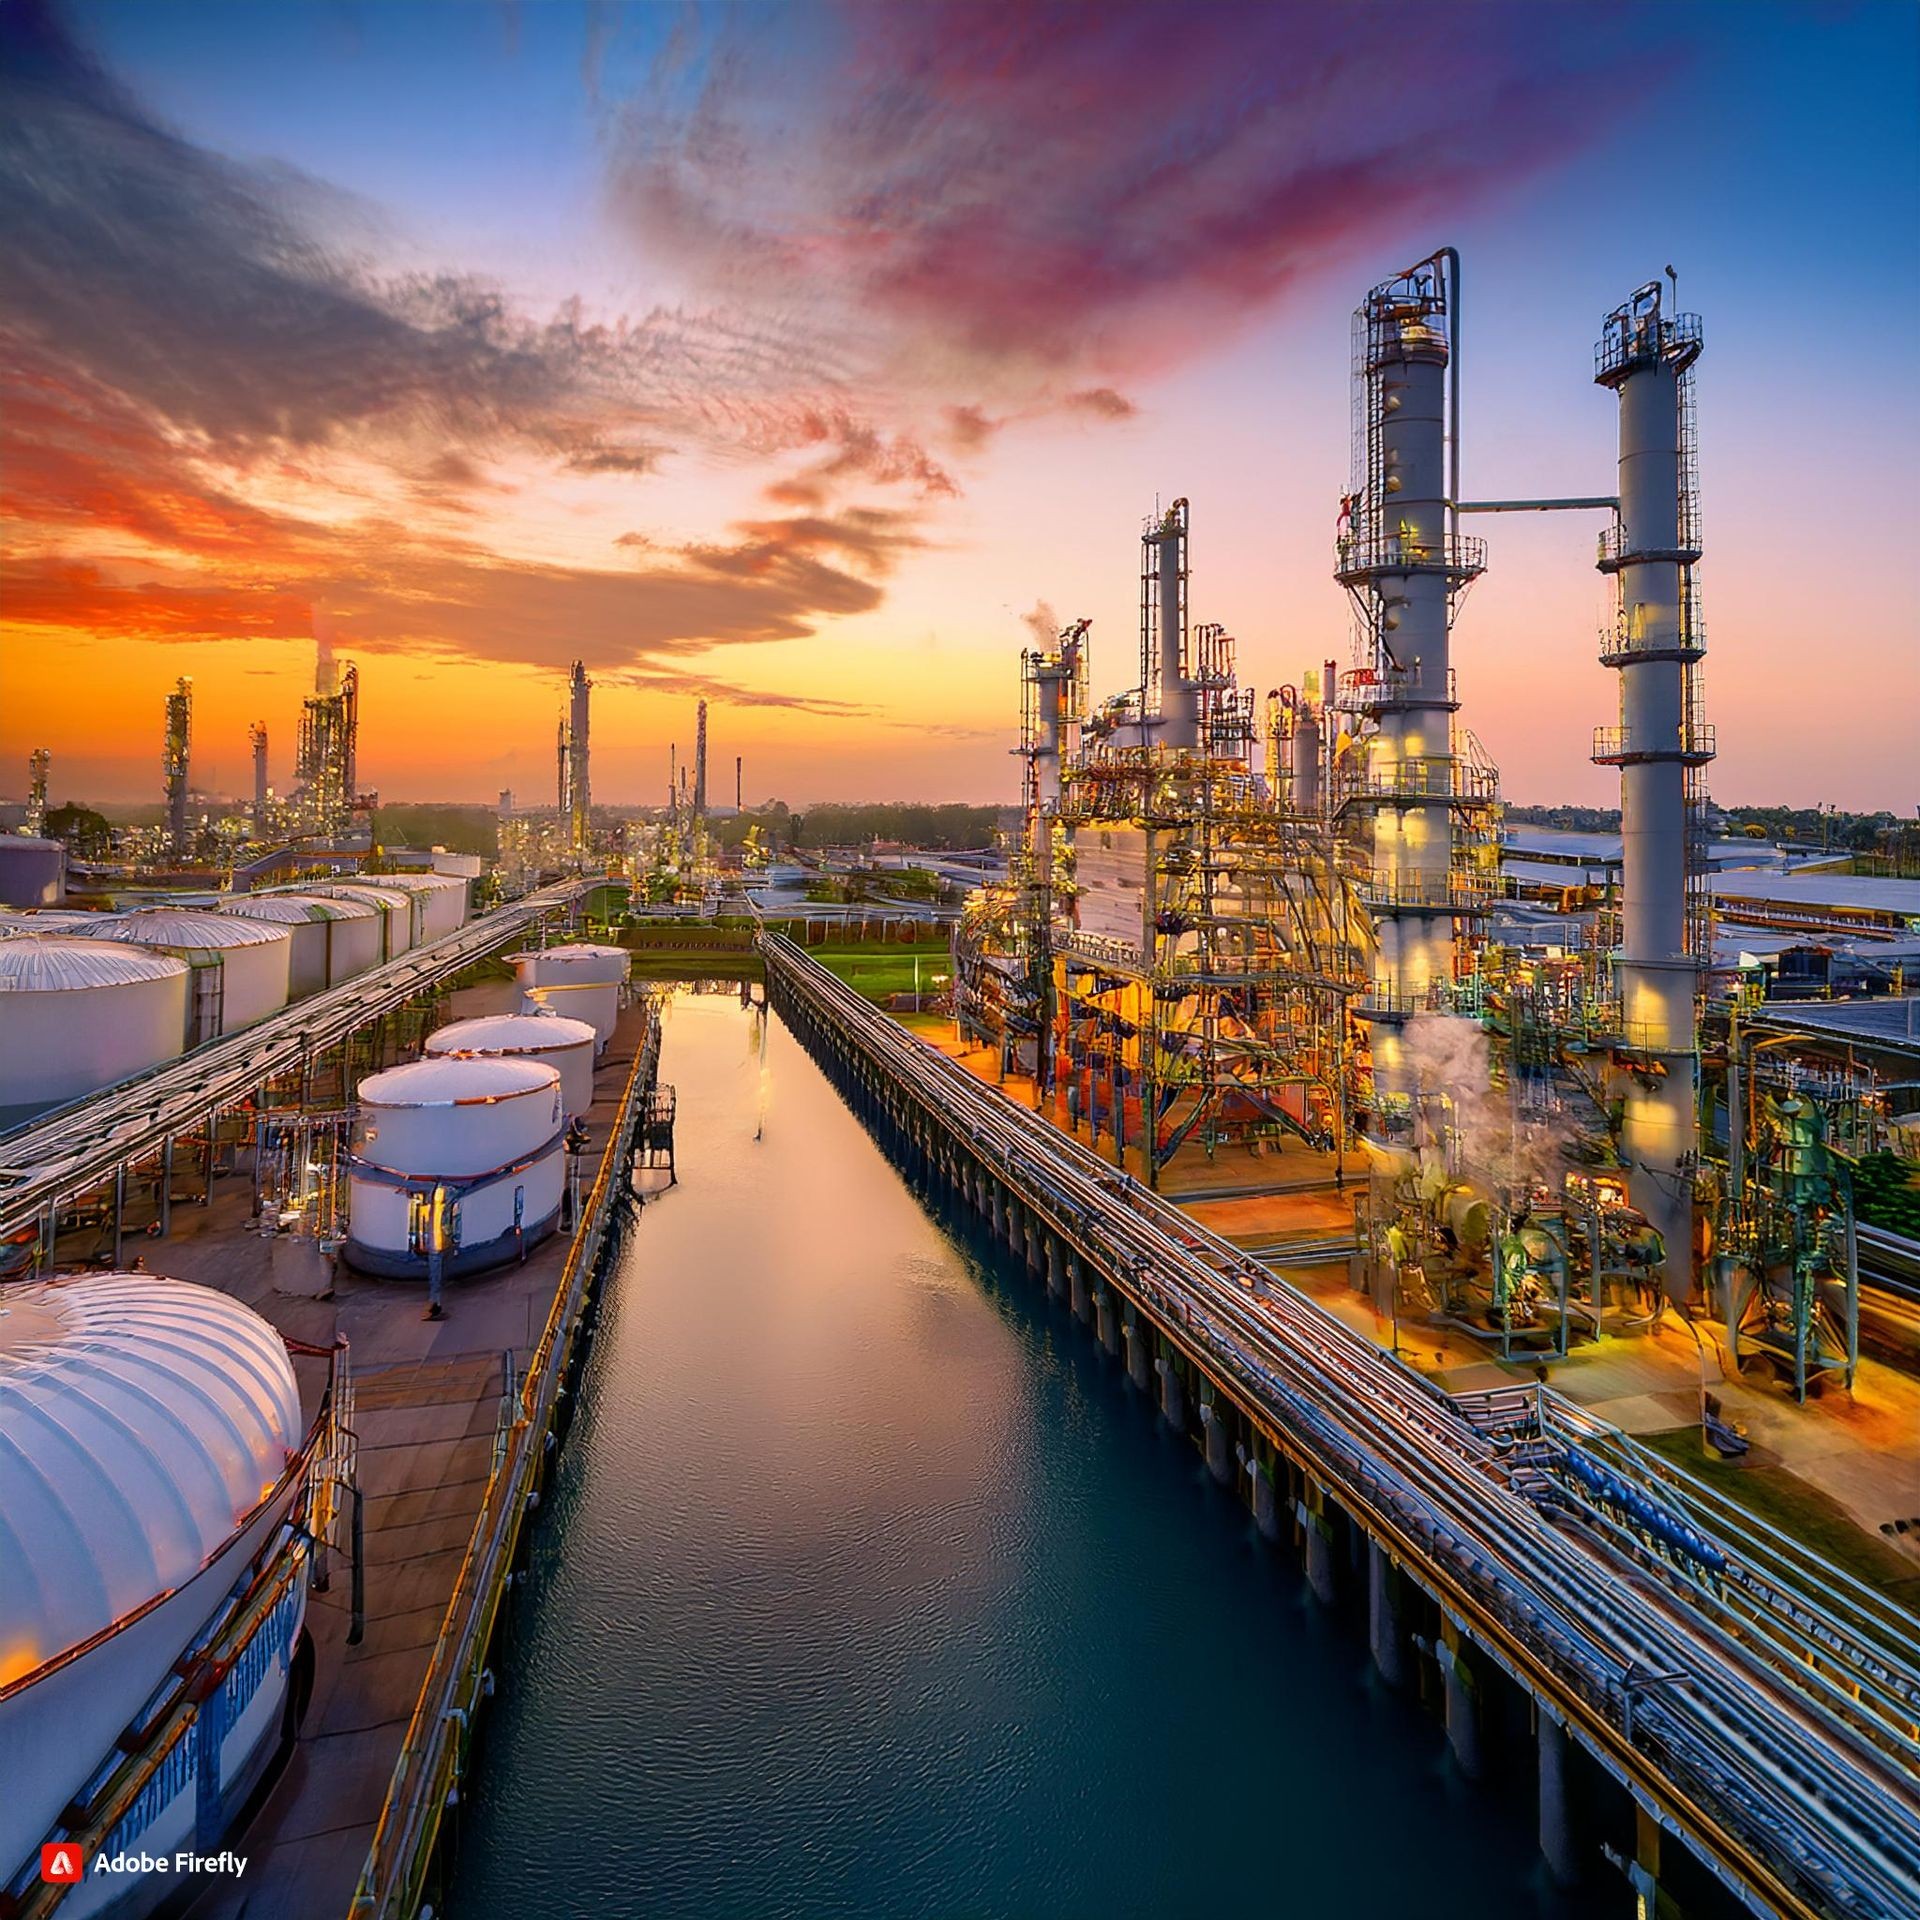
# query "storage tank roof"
(141, 1421)
(430, 881)
(580, 950)
(450, 1081)
(363, 890)
(511, 1033)
(17, 926)
(185, 927)
(56, 965)
(293, 909)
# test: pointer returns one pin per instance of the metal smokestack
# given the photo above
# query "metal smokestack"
(700, 763)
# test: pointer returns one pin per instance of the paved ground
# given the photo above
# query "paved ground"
(1861, 1450)
(428, 1401)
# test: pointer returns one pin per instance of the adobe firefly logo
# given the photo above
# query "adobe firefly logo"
(60, 1863)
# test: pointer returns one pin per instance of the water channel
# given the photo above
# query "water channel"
(868, 1586)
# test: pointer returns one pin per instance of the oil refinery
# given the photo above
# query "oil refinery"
(1461, 1203)
(1217, 934)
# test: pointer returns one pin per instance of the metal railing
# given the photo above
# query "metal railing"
(1460, 556)
(433, 1753)
(79, 1146)
(1693, 745)
(1441, 777)
(1616, 551)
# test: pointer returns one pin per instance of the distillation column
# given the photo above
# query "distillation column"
(257, 739)
(1163, 629)
(1646, 357)
(175, 762)
(1404, 568)
(578, 765)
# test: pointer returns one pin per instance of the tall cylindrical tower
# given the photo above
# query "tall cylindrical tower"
(1662, 742)
(1405, 569)
(176, 761)
(577, 766)
(257, 739)
(1163, 628)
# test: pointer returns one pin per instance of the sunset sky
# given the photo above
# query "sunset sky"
(794, 355)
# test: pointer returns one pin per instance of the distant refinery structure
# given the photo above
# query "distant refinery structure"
(327, 796)
(576, 780)
(176, 761)
(1220, 932)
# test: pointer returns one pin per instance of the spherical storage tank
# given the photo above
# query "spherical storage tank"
(332, 939)
(150, 1441)
(241, 967)
(78, 1014)
(465, 1156)
(579, 980)
(568, 1046)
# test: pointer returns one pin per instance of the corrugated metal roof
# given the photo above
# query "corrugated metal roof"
(448, 1079)
(140, 1419)
(292, 909)
(511, 1033)
(186, 927)
(56, 965)
(20, 925)
(1820, 890)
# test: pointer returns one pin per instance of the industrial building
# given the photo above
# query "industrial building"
(1222, 935)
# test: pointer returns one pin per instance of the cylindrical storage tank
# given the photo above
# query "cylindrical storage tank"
(399, 911)
(241, 967)
(17, 926)
(567, 1046)
(33, 873)
(77, 1015)
(463, 1155)
(579, 980)
(150, 1439)
(332, 939)
(442, 898)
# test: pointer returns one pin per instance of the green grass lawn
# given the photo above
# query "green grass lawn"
(1784, 1500)
(877, 970)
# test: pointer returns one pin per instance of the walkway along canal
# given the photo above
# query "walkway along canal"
(869, 1585)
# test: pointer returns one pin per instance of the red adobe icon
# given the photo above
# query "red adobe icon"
(60, 1863)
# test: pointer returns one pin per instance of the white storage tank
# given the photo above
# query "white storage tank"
(580, 980)
(77, 1015)
(568, 1046)
(16, 926)
(466, 1156)
(151, 1439)
(332, 939)
(33, 872)
(400, 912)
(442, 898)
(240, 967)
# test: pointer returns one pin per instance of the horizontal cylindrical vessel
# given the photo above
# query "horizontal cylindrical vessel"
(153, 1433)
(332, 939)
(459, 1160)
(241, 967)
(77, 1015)
(580, 980)
(568, 1046)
